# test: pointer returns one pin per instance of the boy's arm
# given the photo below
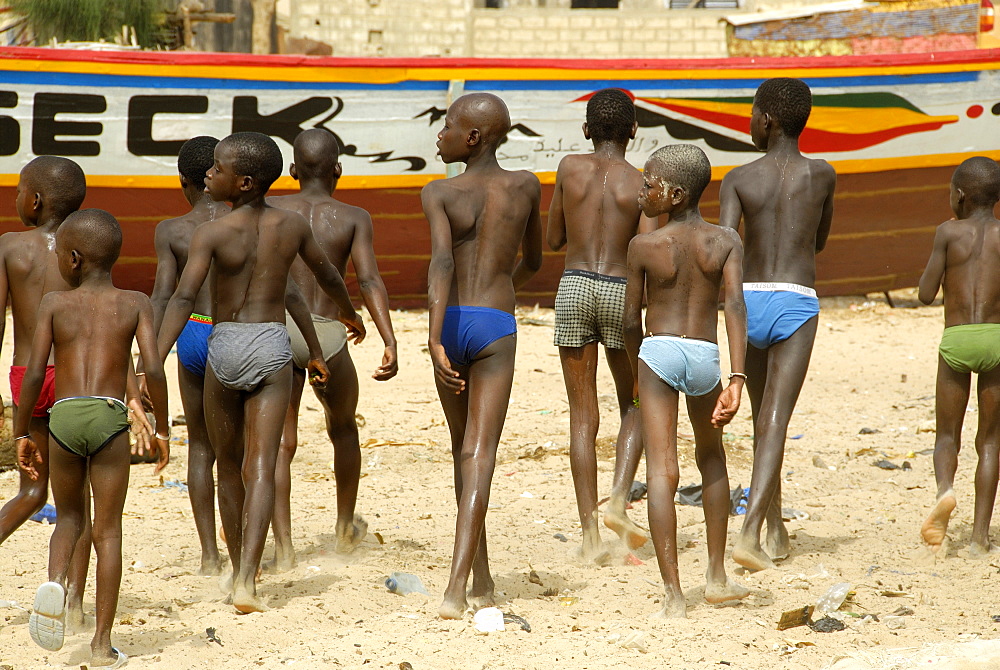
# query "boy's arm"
(730, 207)
(930, 280)
(531, 245)
(826, 217)
(28, 455)
(156, 380)
(166, 274)
(632, 312)
(374, 294)
(4, 288)
(440, 274)
(555, 233)
(181, 303)
(299, 310)
(736, 333)
(329, 280)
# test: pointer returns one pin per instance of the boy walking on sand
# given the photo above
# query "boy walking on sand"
(682, 267)
(965, 259)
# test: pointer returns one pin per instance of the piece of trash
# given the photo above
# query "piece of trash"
(739, 500)
(790, 514)
(405, 665)
(12, 603)
(902, 611)
(689, 495)
(549, 592)
(819, 462)
(797, 437)
(797, 617)
(378, 536)
(517, 620)
(833, 598)
(545, 411)
(488, 620)
(894, 622)
(637, 492)
(996, 618)
(45, 515)
(534, 578)
(174, 484)
(894, 594)
(404, 584)
(313, 568)
(868, 431)
(799, 644)
(635, 640)
(632, 559)
(527, 494)
(827, 625)
(885, 465)
(212, 637)
(569, 600)
(561, 537)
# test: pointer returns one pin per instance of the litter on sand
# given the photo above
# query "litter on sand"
(972, 655)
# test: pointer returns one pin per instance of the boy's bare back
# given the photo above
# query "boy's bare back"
(971, 281)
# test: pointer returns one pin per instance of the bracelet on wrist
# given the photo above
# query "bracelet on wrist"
(737, 374)
(23, 437)
(140, 374)
(163, 437)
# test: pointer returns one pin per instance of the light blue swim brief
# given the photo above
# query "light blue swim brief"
(775, 310)
(690, 366)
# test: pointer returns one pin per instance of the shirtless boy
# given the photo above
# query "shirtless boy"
(965, 259)
(249, 374)
(594, 214)
(91, 328)
(682, 266)
(49, 189)
(172, 239)
(786, 203)
(478, 221)
(344, 233)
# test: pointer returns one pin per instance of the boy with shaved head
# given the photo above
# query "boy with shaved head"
(249, 373)
(594, 214)
(479, 221)
(344, 233)
(785, 201)
(681, 268)
(965, 259)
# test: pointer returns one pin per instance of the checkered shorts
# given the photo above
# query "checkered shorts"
(589, 309)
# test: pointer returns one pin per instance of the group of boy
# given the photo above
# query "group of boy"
(242, 370)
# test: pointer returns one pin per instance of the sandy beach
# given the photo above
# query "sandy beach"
(873, 368)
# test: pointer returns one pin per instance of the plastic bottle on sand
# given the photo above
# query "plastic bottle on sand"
(404, 584)
(834, 598)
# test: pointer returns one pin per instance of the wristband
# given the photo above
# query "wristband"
(140, 374)
(737, 374)
(26, 436)
(163, 437)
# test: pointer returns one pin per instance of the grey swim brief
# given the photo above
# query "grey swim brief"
(332, 338)
(242, 355)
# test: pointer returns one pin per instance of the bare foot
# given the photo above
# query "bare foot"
(629, 531)
(776, 542)
(751, 557)
(210, 567)
(453, 609)
(351, 537)
(226, 582)
(724, 592)
(103, 659)
(76, 621)
(482, 595)
(598, 556)
(673, 608)
(936, 525)
(246, 602)
(977, 550)
(280, 564)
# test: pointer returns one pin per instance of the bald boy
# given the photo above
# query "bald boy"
(594, 214)
(965, 259)
(681, 267)
(479, 220)
(249, 374)
(786, 203)
(172, 240)
(344, 233)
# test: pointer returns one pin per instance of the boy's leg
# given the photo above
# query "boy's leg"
(787, 365)
(711, 458)
(201, 466)
(951, 400)
(264, 415)
(628, 451)
(224, 422)
(579, 366)
(109, 471)
(31, 494)
(658, 406)
(79, 565)
(987, 446)
(281, 522)
(490, 378)
(340, 404)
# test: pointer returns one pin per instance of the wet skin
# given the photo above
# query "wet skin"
(250, 252)
(785, 201)
(682, 267)
(479, 221)
(594, 214)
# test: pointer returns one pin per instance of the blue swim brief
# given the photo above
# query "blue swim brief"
(192, 345)
(690, 366)
(469, 330)
(775, 310)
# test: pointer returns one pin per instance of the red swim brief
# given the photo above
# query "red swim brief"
(45, 399)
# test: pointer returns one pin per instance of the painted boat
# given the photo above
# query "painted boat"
(894, 127)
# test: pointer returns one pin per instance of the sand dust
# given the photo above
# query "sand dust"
(873, 367)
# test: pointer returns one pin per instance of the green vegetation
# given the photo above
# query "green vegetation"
(92, 20)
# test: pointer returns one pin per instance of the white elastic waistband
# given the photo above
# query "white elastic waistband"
(685, 340)
(92, 397)
(772, 286)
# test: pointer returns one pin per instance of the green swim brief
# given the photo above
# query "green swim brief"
(972, 347)
(85, 425)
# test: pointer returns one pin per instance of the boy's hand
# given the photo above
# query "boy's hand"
(163, 451)
(147, 402)
(728, 403)
(28, 457)
(355, 327)
(318, 373)
(389, 366)
(445, 375)
(139, 427)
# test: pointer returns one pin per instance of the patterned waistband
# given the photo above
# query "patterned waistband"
(774, 286)
(198, 318)
(594, 275)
